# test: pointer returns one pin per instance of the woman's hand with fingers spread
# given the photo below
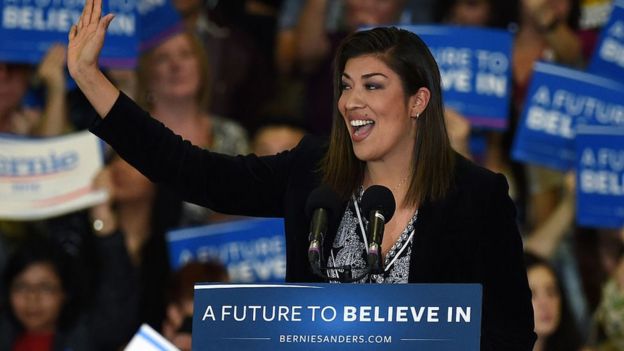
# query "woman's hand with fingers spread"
(86, 39)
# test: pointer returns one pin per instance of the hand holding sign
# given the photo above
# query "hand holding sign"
(86, 38)
(50, 71)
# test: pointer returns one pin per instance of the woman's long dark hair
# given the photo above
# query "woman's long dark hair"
(566, 337)
(408, 56)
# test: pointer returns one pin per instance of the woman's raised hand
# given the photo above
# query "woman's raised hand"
(86, 39)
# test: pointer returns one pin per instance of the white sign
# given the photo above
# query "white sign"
(41, 178)
(147, 339)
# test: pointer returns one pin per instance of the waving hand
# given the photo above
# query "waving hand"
(86, 39)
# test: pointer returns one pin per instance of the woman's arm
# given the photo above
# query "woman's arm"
(243, 185)
(86, 39)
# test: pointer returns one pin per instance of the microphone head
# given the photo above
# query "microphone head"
(379, 198)
(326, 198)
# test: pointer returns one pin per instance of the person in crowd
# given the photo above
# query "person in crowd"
(45, 309)
(554, 324)
(546, 31)
(140, 213)
(608, 334)
(173, 84)
(16, 117)
(388, 130)
(177, 326)
(239, 36)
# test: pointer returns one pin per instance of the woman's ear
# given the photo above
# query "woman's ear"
(418, 102)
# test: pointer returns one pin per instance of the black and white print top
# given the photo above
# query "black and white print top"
(350, 248)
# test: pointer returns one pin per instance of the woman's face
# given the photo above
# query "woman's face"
(129, 184)
(37, 298)
(546, 300)
(375, 110)
(175, 69)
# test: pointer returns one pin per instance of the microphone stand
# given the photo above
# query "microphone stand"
(347, 273)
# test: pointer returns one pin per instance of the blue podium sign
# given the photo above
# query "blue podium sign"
(425, 317)
(558, 100)
(475, 70)
(608, 57)
(252, 250)
(600, 176)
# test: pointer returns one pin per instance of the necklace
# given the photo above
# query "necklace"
(396, 188)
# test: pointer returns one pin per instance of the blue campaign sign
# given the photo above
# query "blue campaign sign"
(424, 317)
(558, 99)
(253, 250)
(29, 28)
(608, 57)
(475, 69)
(600, 176)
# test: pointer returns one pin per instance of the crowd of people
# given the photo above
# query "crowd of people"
(253, 76)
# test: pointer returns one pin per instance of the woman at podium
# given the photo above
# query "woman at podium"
(453, 223)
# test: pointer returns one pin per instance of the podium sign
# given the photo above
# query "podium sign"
(440, 317)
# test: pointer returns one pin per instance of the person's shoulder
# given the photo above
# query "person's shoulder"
(310, 150)
(313, 142)
(472, 176)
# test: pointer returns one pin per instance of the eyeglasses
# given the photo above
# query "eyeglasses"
(43, 289)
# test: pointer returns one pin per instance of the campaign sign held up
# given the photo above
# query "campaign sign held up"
(29, 27)
(600, 176)
(558, 99)
(475, 69)
(608, 57)
(253, 250)
(424, 317)
(47, 177)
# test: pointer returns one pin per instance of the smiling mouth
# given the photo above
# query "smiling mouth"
(361, 126)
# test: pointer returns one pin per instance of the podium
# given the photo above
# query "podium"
(425, 317)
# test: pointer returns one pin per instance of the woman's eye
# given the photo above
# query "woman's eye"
(344, 86)
(371, 86)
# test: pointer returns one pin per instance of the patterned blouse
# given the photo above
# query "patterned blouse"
(350, 246)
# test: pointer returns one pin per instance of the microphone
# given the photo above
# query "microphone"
(322, 206)
(378, 202)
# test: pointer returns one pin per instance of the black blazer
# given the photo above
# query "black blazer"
(468, 237)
